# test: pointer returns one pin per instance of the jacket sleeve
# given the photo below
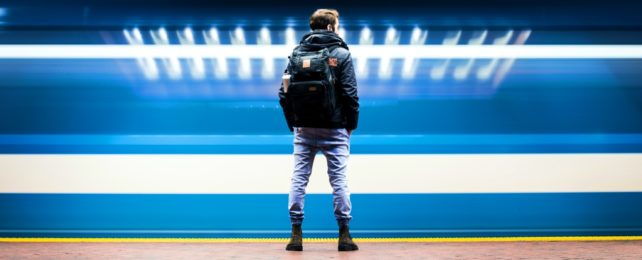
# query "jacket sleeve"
(350, 97)
(287, 110)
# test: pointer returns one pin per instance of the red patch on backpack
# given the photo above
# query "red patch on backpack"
(332, 62)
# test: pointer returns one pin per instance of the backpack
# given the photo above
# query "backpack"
(311, 91)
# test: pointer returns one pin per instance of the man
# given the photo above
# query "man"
(330, 135)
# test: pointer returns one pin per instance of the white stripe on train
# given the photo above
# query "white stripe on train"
(270, 174)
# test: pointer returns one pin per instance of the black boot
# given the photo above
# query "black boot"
(345, 240)
(296, 241)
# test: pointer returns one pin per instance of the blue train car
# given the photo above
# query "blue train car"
(139, 119)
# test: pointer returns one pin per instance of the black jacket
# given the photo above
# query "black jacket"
(347, 106)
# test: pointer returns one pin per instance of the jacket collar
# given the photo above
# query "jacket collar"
(321, 38)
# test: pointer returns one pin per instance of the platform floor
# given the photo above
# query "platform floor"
(326, 250)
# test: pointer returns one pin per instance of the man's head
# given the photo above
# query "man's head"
(327, 19)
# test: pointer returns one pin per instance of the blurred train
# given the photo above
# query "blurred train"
(95, 142)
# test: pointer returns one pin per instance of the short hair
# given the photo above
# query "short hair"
(322, 17)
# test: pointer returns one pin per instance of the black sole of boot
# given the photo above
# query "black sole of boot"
(294, 248)
(348, 247)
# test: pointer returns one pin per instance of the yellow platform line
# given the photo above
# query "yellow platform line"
(281, 240)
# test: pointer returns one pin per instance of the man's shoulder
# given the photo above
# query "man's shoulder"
(340, 53)
(341, 49)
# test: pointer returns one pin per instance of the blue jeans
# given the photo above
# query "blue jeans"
(335, 145)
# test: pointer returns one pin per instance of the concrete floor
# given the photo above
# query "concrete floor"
(326, 250)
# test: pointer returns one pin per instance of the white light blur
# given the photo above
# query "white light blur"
(290, 37)
(462, 71)
(172, 64)
(521, 40)
(365, 38)
(138, 35)
(264, 37)
(212, 39)
(162, 36)
(196, 64)
(238, 36)
(501, 53)
(483, 73)
(147, 64)
(238, 39)
(268, 64)
(149, 67)
(211, 36)
(188, 35)
(342, 34)
(439, 71)
(385, 68)
(120, 51)
(418, 37)
(133, 37)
